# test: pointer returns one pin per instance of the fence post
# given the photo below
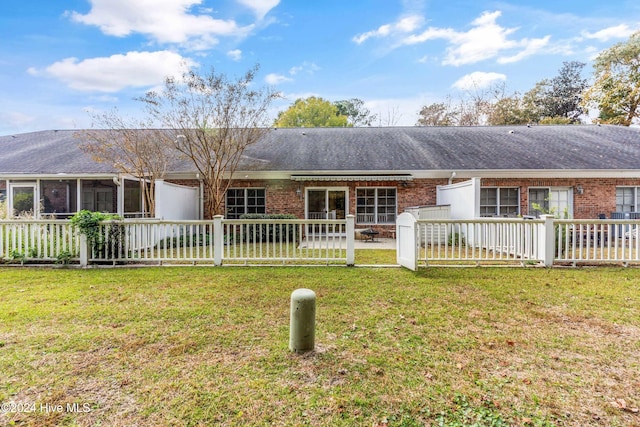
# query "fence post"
(84, 250)
(351, 236)
(218, 239)
(548, 240)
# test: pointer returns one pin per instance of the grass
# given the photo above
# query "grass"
(208, 346)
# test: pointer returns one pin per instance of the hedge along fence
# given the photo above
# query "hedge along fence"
(268, 228)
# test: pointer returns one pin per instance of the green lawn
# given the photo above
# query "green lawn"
(208, 346)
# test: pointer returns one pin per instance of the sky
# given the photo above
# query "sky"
(63, 61)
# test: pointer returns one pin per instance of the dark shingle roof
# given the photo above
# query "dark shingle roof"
(447, 148)
(580, 147)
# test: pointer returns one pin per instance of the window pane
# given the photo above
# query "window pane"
(386, 205)
(539, 197)
(488, 202)
(242, 201)
(365, 205)
(625, 199)
(23, 201)
(509, 201)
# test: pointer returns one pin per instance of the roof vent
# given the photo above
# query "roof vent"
(512, 131)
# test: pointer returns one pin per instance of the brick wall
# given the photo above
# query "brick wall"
(599, 195)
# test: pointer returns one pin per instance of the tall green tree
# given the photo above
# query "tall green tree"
(616, 89)
(357, 114)
(509, 110)
(311, 112)
(561, 96)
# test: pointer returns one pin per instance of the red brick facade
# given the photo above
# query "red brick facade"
(598, 195)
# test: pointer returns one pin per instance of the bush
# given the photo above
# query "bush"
(188, 240)
(269, 232)
(107, 245)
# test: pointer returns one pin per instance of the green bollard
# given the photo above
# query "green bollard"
(302, 325)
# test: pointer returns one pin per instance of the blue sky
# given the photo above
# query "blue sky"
(61, 60)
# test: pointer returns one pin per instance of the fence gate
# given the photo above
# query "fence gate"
(406, 242)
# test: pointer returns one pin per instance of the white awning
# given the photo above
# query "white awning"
(351, 177)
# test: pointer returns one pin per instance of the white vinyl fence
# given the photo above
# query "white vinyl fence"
(225, 241)
(486, 241)
(489, 241)
(38, 240)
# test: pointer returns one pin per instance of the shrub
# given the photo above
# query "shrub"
(269, 232)
(105, 245)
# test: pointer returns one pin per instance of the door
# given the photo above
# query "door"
(22, 199)
(326, 204)
(323, 204)
(556, 201)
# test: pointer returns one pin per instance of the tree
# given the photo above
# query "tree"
(357, 114)
(311, 112)
(561, 96)
(509, 110)
(437, 114)
(616, 90)
(211, 120)
(133, 147)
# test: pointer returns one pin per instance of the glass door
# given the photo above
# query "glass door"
(325, 203)
(22, 201)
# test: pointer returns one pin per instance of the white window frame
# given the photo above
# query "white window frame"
(376, 212)
(36, 196)
(635, 198)
(555, 205)
(499, 205)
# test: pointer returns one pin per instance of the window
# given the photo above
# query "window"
(242, 201)
(499, 201)
(556, 201)
(626, 199)
(376, 205)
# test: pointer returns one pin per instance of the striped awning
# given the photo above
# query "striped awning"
(351, 177)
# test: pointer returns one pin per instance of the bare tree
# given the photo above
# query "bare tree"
(132, 147)
(211, 120)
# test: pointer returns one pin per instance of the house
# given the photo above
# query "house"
(578, 171)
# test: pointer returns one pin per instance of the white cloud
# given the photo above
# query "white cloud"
(306, 67)
(617, 32)
(486, 39)
(235, 54)
(260, 7)
(404, 25)
(116, 72)
(165, 21)
(529, 47)
(478, 80)
(274, 79)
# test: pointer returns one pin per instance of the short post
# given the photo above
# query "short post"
(549, 240)
(218, 239)
(351, 236)
(84, 250)
(302, 323)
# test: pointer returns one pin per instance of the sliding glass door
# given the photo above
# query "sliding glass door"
(326, 203)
